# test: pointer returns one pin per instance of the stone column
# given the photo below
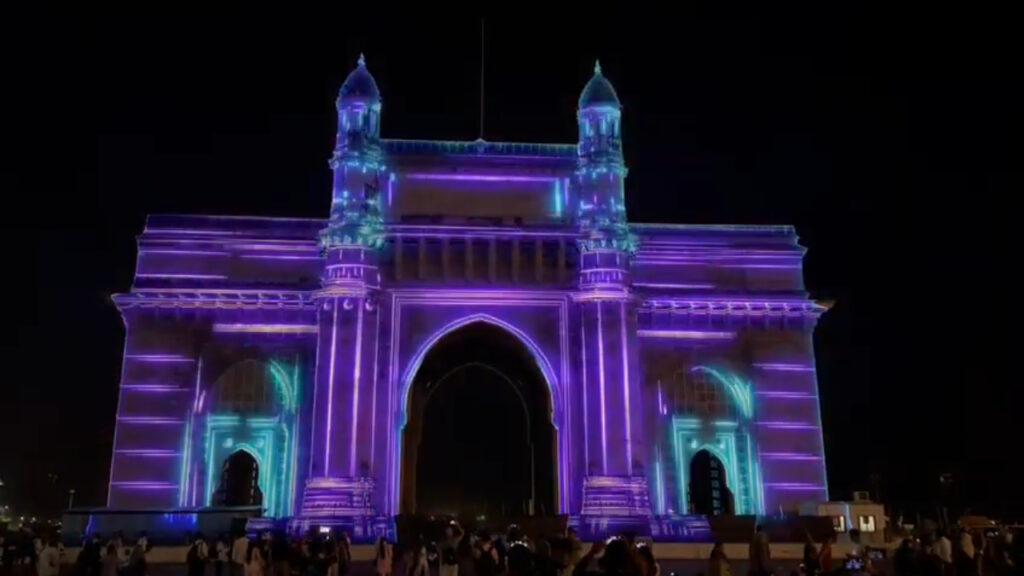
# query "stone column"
(615, 493)
(340, 490)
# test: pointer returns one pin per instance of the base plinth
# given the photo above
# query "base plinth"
(614, 505)
(341, 505)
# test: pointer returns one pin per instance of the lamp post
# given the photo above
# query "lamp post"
(71, 498)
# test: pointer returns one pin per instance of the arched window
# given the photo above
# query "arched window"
(696, 393)
(245, 388)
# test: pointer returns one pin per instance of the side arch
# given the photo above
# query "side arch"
(711, 493)
(732, 444)
(226, 484)
(251, 406)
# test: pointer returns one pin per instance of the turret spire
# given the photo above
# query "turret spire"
(357, 162)
(600, 167)
(598, 91)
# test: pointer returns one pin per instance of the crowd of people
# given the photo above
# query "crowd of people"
(973, 554)
(271, 554)
(960, 553)
(27, 553)
(458, 553)
(512, 553)
(328, 554)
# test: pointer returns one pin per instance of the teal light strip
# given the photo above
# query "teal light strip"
(558, 198)
(284, 385)
(186, 462)
(211, 439)
(659, 482)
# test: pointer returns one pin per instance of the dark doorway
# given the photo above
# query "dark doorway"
(709, 487)
(239, 481)
(479, 440)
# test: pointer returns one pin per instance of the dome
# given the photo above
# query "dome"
(360, 84)
(598, 92)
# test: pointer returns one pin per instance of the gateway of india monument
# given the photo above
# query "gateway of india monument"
(637, 375)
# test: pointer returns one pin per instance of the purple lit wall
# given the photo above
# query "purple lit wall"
(654, 341)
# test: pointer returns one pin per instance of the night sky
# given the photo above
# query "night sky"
(886, 139)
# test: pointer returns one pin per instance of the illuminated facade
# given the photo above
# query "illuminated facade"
(676, 361)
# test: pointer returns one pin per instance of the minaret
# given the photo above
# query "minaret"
(340, 489)
(600, 168)
(615, 490)
(358, 164)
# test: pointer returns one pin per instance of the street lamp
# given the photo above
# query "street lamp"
(71, 498)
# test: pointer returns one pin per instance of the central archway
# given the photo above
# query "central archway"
(479, 437)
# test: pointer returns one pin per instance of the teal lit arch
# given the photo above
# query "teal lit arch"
(270, 436)
(739, 389)
(730, 441)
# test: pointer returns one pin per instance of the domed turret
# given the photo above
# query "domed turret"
(359, 85)
(599, 115)
(598, 92)
(357, 163)
(359, 117)
(601, 173)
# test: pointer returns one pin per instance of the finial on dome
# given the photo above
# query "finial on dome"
(360, 85)
(598, 91)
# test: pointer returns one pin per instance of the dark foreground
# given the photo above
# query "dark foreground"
(668, 567)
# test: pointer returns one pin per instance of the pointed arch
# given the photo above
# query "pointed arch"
(732, 444)
(231, 480)
(409, 374)
(551, 384)
(703, 483)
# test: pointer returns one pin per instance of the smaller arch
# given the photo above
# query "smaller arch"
(731, 444)
(232, 482)
(248, 449)
(702, 489)
(712, 450)
(253, 403)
